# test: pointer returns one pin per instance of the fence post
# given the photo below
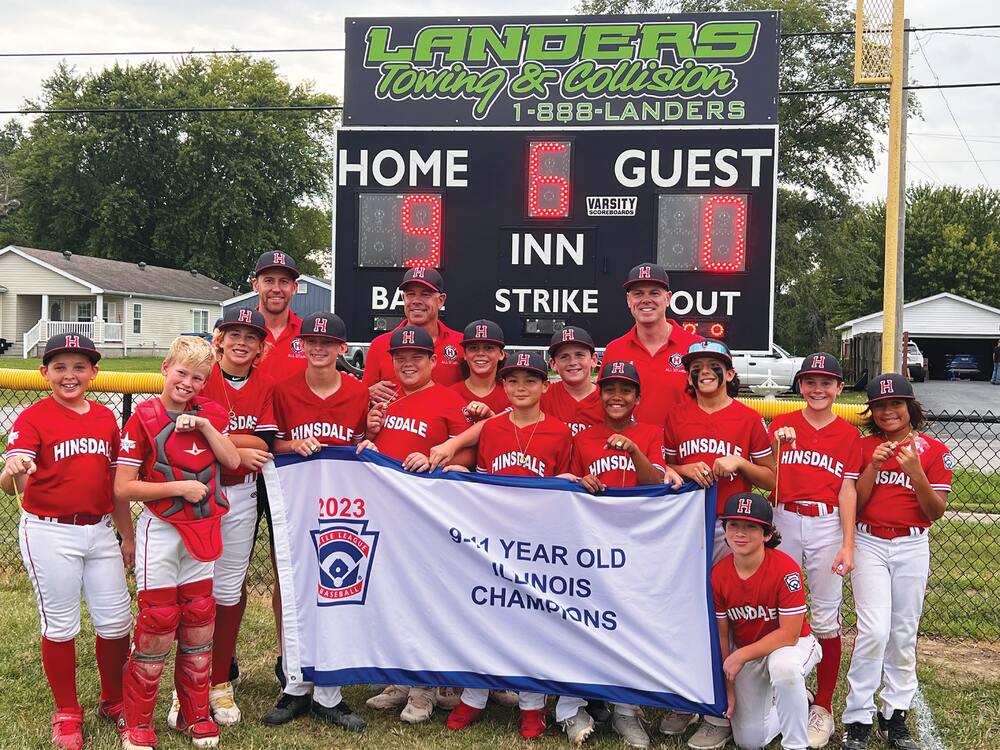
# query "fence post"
(126, 407)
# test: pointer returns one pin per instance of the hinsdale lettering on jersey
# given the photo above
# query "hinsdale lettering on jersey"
(709, 445)
(751, 612)
(813, 458)
(405, 424)
(324, 430)
(893, 477)
(611, 463)
(516, 458)
(242, 422)
(81, 446)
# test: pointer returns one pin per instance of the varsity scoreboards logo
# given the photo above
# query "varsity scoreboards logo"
(583, 70)
(345, 551)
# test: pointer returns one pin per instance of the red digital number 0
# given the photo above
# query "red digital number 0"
(432, 231)
(708, 261)
(536, 180)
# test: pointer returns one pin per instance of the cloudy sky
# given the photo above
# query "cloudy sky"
(937, 152)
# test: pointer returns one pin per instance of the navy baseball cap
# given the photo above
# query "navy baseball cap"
(618, 370)
(75, 343)
(820, 363)
(324, 325)
(708, 348)
(276, 259)
(429, 277)
(570, 335)
(528, 361)
(889, 385)
(483, 330)
(411, 337)
(239, 316)
(647, 273)
(748, 506)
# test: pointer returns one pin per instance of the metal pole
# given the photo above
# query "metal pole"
(898, 360)
(890, 344)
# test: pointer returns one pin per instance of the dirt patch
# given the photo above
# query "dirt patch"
(965, 661)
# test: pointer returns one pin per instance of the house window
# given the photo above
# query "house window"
(136, 317)
(303, 288)
(84, 311)
(199, 321)
(110, 313)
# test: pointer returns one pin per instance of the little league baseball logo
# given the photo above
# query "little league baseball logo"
(793, 582)
(345, 551)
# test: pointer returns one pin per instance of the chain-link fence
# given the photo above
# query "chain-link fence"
(963, 592)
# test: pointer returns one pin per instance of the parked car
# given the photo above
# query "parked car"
(915, 362)
(356, 356)
(753, 369)
(962, 364)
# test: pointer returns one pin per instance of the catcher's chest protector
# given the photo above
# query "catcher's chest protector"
(185, 456)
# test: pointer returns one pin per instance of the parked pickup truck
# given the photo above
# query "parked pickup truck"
(753, 368)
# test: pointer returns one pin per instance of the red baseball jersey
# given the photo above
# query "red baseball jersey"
(136, 450)
(577, 415)
(419, 421)
(662, 374)
(495, 399)
(74, 455)
(753, 606)
(249, 405)
(691, 434)
(447, 347)
(338, 419)
(893, 502)
(542, 449)
(288, 357)
(613, 467)
(821, 460)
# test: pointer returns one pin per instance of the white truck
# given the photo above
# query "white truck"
(754, 369)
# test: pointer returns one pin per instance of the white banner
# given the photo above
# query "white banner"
(494, 582)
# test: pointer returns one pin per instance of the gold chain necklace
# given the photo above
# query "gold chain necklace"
(522, 457)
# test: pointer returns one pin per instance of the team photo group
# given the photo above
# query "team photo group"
(802, 504)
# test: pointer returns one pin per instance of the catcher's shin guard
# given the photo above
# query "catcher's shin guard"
(193, 668)
(155, 626)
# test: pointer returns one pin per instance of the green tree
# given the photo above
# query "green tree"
(208, 191)
(11, 135)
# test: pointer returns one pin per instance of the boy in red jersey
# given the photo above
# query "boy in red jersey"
(481, 390)
(245, 393)
(819, 461)
(711, 438)
(760, 607)
(170, 448)
(573, 399)
(901, 492)
(421, 414)
(61, 455)
(320, 406)
(524, 442)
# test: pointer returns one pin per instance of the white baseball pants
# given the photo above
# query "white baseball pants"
(889, 580)
(238, 527)
(161, 559)
(813, 542)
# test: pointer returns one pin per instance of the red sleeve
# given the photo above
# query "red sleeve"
(280, 414)
(266, 421)
(373, 362)
(760, 445)
(576, 463)
(27, 442)
(134, 447)
(564, 458)
(453, 415)
(654, 449)
(853, 465)
(116, 439)
(362, 424)
(718, 594)
(791, 592)
(939, 469)
(218, 417)
(669, 441)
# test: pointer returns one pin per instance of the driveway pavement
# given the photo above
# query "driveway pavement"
(953, 396)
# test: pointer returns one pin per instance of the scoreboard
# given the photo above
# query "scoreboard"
(535, 208)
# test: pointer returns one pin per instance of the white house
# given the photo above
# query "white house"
(126, 308)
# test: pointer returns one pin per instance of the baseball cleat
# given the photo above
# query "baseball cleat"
(221, 701)
(599, 710)
(710, 736)
(532, 722)
(675, 722)
(578, 727)
(393, 696)
(111, 711)
(342, 715)
(174, 712)
(820, 727)
(67, 729)
(462, 715)
(287, 708)
(895, 732)
(855, 736)
(203, 733)
(630, 729)
(448, 698)
(137, 738)
(419, 705)
(504, 697)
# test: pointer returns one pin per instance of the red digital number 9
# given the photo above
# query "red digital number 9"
(548, 192)
(431, 230)
(739, 217)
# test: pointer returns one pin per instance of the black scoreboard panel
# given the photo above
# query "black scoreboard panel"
(538, 229)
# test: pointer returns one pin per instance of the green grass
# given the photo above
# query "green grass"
(964, 714)
(975, 491)
(110, 364)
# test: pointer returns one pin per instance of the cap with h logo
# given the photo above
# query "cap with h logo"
(485, 331)
(570, 335)
(708, 348)
(889, 385)
(820, 363)
(324, 325)
(528, 361)
(411, 337)
(240, 316)
(76, 343)
(276, 259)
(647, 273)
(618, 370)
(428, 277)
(748, 506)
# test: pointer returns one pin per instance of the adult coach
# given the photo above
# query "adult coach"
(423, 298)
(275, 280)
(655, 345)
